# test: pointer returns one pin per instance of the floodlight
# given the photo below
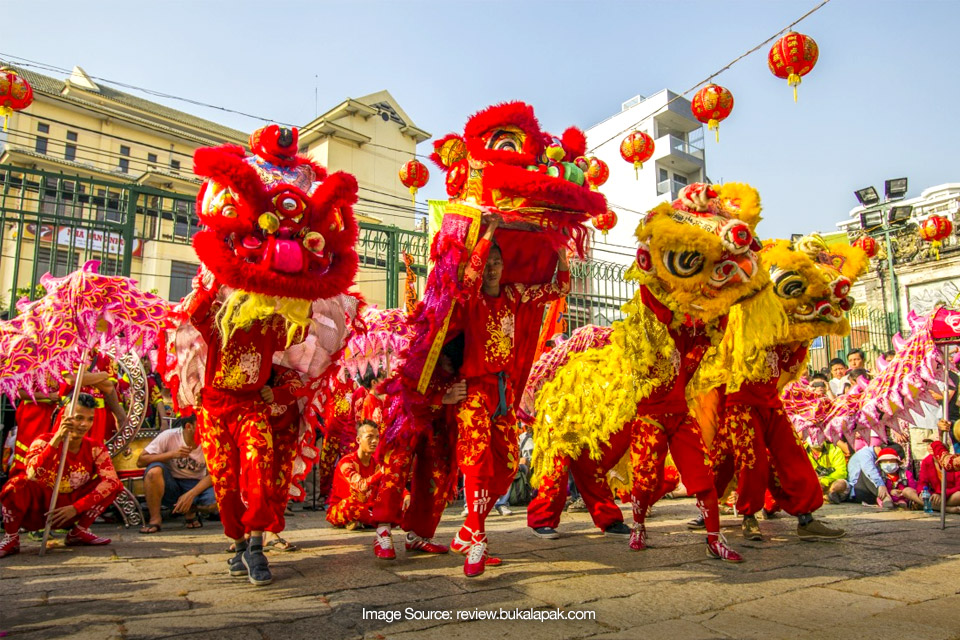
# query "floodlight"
(899, 214)
(867, 196)
(895, 189)
(871, 219)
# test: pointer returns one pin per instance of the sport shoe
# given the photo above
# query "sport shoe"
(697, 523)
(463, 514)
(235, 565)
(817, 530)
(638, 537)
(9, 544)
(424, 545)
(751, 528)
(546, 533)
(383, 544)
(85, 537)
(577, 506)
(504, 511)
(459, 545)
(718, 549)
(617, 530)
(476, 560)
(258, 568)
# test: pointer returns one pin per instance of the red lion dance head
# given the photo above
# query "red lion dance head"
(280, 232)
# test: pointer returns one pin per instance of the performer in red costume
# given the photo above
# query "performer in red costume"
(428, 459)
(487, 444)
(355, 482)
(281, 395)
(89, 484)
(33, 418)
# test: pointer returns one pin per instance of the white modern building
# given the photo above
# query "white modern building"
(678, 160)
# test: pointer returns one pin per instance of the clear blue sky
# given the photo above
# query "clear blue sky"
(881, 103)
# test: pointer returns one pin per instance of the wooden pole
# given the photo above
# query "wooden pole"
(63, 451)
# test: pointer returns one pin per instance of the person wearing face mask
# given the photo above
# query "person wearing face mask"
(900, 483)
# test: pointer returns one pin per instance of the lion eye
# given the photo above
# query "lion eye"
(683, 264)
(788, 284)
(505, 141)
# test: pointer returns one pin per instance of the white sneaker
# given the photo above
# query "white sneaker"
(463, 514)
(504, 511)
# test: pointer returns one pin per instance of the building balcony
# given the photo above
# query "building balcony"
(679, 154)
(670, 186)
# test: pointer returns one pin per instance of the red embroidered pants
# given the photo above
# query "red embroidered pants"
(590, 477)
(25, 504)
(286, 434)
(773, 458)
(488, 451)
(237, 443)
(350, 510)
(428, 460)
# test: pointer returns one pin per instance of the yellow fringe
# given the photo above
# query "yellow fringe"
(242, 309)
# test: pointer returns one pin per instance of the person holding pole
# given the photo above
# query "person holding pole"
(88, 484)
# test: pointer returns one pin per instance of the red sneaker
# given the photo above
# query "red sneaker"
(476, 560)
(383, 545)
(9, 544)
(638, 537)
(718, 549)
(492, 561)
(85, 537)
(425, 545)
(459, 545)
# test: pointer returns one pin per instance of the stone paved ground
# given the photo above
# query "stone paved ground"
(897, 575)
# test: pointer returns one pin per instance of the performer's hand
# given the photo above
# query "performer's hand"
(267, 394)
(493, 221)
(456, 393)
(62, 516)
(944, 425)
(406, 504)
(184, 504)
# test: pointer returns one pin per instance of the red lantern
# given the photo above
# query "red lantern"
(868, 245)
(605, 221)
(597, 172)
(15, 94)
(414, 174)
(793, 56)
(712, 104)
(636, 148)
(933, 230)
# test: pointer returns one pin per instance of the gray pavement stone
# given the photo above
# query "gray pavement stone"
(895, 573)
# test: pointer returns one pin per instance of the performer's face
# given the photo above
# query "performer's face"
(367, 438)
(83, 421)
(494, 268)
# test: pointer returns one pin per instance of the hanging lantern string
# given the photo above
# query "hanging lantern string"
(714, 74)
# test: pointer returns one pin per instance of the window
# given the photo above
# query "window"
(186, 222)
(152, 158)
(124, 150)
(175, 165)
(70, 152)
(664, 175)
(679, 179)
(60, 265)
(72, 136)
(124, 165)
(43, 127)
(107, 204)
(181, 277)
(41, 145)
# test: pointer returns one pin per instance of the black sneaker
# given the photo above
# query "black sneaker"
(697, 523)
(618, 530)
(547, 533)
(258, 569)
(235, 563)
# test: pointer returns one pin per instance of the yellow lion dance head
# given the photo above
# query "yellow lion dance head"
(698, 254)
(812, 282)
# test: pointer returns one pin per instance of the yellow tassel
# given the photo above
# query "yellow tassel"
(935, 249)
(413, 196)
(636, 169)
(715, 126)
(6, 112)
(793, 80)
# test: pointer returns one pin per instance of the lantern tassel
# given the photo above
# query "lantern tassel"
(714, 125)
(636, 169)
(413, 196)
(6, 112)
(793, 80)
(935, 249)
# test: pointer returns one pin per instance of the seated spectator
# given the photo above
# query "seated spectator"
(838, 373)
(355, 482)
(853, 375)
(819, 383)
(865, 482)
(89, 484)
(831, 467)
(176, 476)
(898, 479)
(938, 462)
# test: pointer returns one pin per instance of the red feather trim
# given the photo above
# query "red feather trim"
(554, 192)
(517, 114)
(574, 142)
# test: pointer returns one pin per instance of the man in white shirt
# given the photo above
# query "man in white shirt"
(176, 476)
(838, 380)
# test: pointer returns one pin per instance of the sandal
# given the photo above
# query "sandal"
(279, 544)
(150, 528)
(193, 523)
